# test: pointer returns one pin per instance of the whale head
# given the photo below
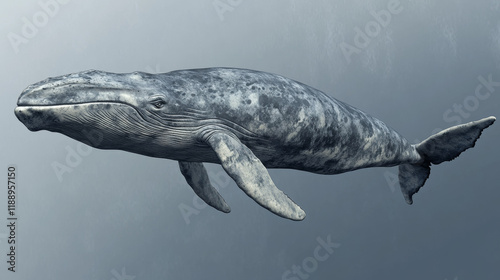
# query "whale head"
(133, 112)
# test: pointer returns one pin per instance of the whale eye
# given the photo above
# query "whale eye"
(158, 103)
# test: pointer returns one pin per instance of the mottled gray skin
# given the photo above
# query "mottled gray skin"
(285, 123)
(245, 120)
(288, 124)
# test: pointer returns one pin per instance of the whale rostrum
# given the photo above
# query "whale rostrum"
(247, 121)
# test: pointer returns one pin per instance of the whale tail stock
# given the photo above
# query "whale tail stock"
(443, 146)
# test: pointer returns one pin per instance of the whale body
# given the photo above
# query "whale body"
(245, 120)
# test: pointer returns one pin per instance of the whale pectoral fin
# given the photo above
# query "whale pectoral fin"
(251, 176)
(197, 177)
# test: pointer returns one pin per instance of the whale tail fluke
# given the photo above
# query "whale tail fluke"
(443, 146)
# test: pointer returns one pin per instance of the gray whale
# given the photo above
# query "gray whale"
(245, 120)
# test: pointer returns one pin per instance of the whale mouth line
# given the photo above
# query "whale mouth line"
(25, 113)
(26, 105)
(24, 108)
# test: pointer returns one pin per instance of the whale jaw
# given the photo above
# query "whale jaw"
(115, 125)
